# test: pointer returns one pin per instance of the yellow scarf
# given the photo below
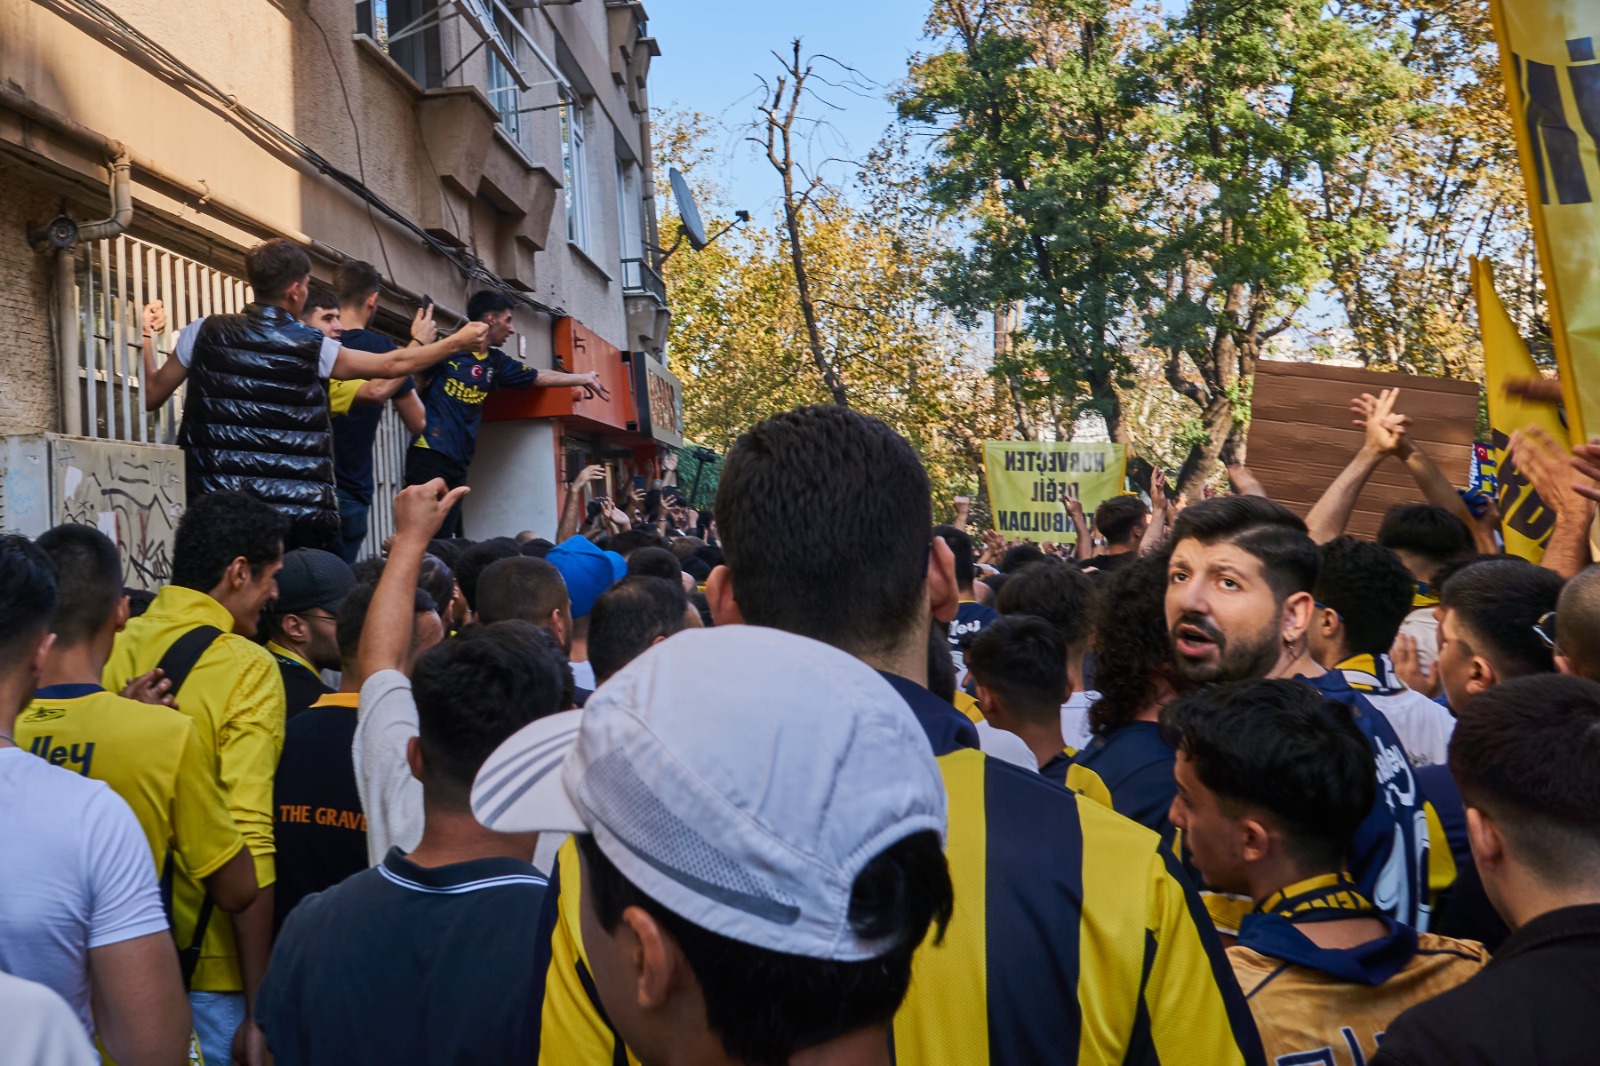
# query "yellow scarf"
(1326, 892)
(1371, 673)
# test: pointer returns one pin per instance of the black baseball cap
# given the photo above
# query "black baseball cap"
(312, 578)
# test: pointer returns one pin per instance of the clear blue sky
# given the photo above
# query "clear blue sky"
(711, 51)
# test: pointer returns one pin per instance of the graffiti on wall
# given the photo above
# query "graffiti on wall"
(132, 494)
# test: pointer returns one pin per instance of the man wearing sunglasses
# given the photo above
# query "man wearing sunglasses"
(300, 624)
(1574, 627)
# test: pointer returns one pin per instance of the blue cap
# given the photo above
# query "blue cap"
(587, 570)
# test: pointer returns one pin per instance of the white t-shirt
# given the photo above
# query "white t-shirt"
(1000, 744)
(75, 874)
(1422, 625)
(184, 349)
(583, 675)
(1424, 727)
(386, 720)
(1075, 720)
(40, 1029)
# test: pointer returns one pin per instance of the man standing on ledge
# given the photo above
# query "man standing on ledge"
(255, 417)
(453, 395)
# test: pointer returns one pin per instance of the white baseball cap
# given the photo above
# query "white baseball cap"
(739, 776)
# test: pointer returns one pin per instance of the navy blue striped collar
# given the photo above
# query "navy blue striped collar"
(66, 692)
(458, 877)
(947, 728)
(1370, 964)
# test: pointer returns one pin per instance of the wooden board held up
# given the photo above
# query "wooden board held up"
(1301, 434)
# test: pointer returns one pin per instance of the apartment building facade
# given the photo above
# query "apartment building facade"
(455, 144)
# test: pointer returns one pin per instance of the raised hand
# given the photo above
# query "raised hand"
(1408, 666)
(419, 510)
(592, 472)
(423, 328)
(1543, 461)
(1586, 461)
(154, 317)
(1539, 390)
(1385, 430)
(1158, 491)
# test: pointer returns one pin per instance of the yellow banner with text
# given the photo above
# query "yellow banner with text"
(1525, 521)
(1550, 59)
(1030, 482)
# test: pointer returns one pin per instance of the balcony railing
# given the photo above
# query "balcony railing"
(639, 277)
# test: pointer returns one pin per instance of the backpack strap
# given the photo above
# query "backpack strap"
(184, 653)
(175, 666)
(189, 957)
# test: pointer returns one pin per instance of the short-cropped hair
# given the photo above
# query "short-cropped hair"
(272, 266)
(1281, 747)
(1266, 529)
(1525, 751)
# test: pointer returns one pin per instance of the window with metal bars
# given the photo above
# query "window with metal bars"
(115, 280)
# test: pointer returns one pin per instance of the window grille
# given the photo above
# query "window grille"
(116, 278)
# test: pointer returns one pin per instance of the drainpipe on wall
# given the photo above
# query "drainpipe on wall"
(66, 287)
(66, 330)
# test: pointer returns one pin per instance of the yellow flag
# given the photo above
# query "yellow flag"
(1525, 521)
(1030, 480)
(1550, 58)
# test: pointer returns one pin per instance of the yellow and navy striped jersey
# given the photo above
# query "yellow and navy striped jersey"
(1055, 769)
(1461, 907)
(1330, 1006)
(1130, 771)
(1074, 938)
(969, 707)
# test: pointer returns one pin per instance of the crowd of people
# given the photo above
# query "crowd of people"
(804, 779)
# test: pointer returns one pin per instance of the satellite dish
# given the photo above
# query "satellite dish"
(688, 213)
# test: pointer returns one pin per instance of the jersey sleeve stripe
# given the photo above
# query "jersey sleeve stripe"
(1192, 974)
(945, 1014)
(1035, 896)
(1111, 949)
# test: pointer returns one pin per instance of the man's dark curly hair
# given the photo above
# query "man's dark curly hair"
(1131, 646)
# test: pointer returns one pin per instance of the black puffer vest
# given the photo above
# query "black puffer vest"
(256, 419)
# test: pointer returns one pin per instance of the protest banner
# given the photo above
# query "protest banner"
(1030, 481)
(1548, 58)
(1525, 522)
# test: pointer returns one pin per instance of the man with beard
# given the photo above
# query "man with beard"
(1239, 607)
(300, 624)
